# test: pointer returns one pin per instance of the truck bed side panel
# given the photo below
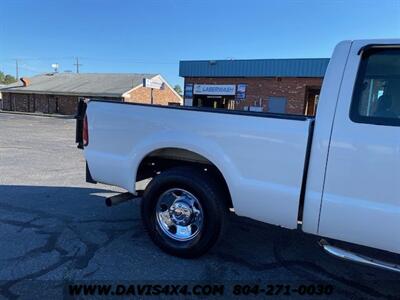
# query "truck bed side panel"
(261, 158)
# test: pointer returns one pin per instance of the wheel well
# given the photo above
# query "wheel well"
(166, 158)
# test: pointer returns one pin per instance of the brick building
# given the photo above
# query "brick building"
(60, 92)
(271, 85)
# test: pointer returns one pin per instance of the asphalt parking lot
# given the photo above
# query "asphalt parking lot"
(54, 228)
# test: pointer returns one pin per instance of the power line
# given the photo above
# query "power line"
(132, 60)
(101, 59)
(19, 63)
(38, 58)
(18, 66)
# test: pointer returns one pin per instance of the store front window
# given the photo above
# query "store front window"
(214, 95)
(212, 101)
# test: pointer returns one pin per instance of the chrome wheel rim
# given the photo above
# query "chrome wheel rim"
(179, 214)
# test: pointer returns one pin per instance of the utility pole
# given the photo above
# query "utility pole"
(77, 64)
(16, 69)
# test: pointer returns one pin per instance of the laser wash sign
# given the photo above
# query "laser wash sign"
(214, 89)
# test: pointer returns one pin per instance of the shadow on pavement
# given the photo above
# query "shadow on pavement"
(56, 233)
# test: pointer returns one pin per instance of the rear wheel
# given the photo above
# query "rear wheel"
(183, 210)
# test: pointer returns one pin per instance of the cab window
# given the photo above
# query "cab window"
(376, 97)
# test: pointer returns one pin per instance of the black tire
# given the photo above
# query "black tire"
(205, 188)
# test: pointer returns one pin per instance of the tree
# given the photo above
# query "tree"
(178, 89)
(6, 79)
(9, 79)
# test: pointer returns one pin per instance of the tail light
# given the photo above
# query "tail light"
(85, 132)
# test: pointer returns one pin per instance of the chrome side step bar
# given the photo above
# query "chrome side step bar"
(119, 198)
(351, 256)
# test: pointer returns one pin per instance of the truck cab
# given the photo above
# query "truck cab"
(352, 192)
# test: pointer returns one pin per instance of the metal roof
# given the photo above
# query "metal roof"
(296, 67)
(83, 84)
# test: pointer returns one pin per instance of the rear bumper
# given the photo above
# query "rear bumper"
(89, 177)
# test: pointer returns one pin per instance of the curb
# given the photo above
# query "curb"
(37, 114)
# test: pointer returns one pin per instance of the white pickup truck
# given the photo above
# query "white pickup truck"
(336, 175)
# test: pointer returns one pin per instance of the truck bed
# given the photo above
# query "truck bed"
(261, 155)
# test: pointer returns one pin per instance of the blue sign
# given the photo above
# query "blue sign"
(189, 90)
(241, 91)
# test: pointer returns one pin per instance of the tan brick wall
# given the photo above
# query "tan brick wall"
(160, 97)
(44, 103)
(60, 104)
(293, 89)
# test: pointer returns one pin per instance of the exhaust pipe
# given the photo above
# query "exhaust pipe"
(117, 199)
(358, 258)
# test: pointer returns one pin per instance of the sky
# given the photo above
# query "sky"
(152, 36)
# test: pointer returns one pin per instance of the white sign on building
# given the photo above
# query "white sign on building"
(214, 89)
(153, 83)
